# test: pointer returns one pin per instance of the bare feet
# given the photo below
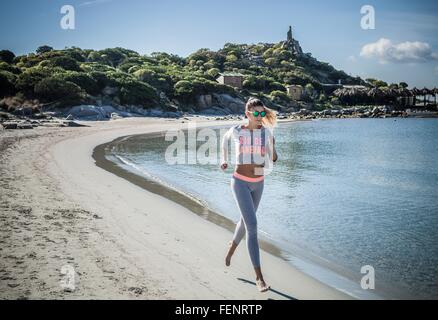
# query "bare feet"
(231, 248)
(261, 285)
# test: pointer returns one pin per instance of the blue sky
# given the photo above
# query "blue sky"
(402, 47)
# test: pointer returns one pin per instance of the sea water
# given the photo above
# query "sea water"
(344, 194)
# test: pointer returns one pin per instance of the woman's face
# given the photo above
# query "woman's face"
(249, 114)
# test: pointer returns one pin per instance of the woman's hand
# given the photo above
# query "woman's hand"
(224, 165)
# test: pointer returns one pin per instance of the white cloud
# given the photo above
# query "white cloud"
(352, 59)
(406, 52)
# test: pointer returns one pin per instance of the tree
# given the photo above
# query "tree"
(7, 56)
(309, 87)
(280, 95)
(114, 56)
(83, 80)
(43, 49)
(376, 83)
(9, 67)
(64, 62)
(27, 80)
(231, 58)
(7, 87)
(158, 80)
(213, 72)
(52, 89)
(184, 88)
(271, 62)
(137, 93)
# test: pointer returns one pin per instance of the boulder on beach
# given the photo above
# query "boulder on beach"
(95, 113)
(88, 112)
(115, 115)
(73, 124)
(9, 125)
(23, 111)
(24, 125)
(156, 113)
(304, 112)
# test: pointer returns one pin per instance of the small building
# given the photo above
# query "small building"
(295, 91)
(233, 79)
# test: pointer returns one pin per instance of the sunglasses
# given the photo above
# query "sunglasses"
(257, 113)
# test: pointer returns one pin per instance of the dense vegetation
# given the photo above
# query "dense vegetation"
(120, 76)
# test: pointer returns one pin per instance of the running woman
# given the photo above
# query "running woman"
(255, 146)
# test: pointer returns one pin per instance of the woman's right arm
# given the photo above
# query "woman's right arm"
(224, 148)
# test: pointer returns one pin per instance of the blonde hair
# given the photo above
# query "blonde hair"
(270, 120)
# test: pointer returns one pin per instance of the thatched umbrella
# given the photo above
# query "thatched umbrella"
(415, 92)
(435, 92)
(375, 94)
(343, 94)
(339, 92)
(425, 92)
(360, 94)
(347, 95)
(391, 93)
(405, 94)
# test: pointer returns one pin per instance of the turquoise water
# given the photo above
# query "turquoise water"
(345, 193)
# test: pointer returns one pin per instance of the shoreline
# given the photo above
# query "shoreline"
(175, 195)
(130, 243)
(314, 266)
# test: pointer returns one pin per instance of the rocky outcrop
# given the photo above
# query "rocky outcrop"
(30, 124)
(291, 44)
(9, 125)
(204, 101)
(96, 113)
(23, 111)
(225, 101)
(90, 112)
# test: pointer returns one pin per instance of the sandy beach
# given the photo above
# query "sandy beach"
(59, 210)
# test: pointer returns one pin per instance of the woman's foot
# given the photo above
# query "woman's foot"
(231, 248)
(261, 285)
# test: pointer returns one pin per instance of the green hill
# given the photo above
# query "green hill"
(120, 76)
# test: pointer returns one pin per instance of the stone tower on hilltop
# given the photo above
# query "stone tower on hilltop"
(289, 35)
(292, 44)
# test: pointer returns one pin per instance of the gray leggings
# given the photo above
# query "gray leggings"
(247, 195)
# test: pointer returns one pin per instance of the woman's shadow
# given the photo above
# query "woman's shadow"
(277, 292)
